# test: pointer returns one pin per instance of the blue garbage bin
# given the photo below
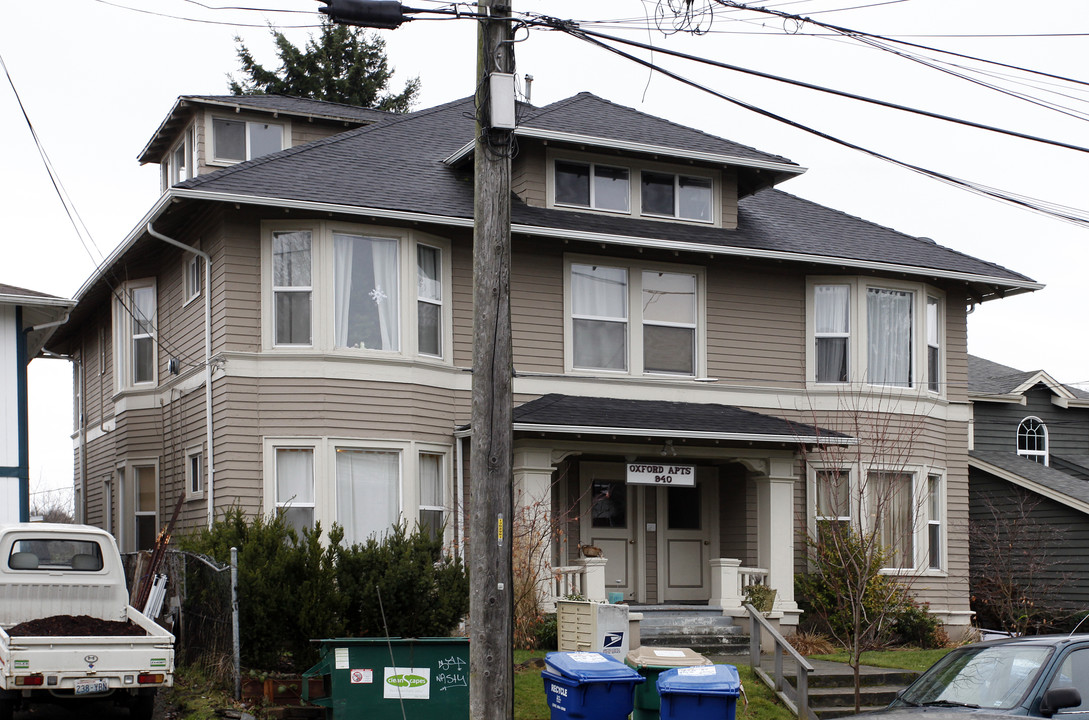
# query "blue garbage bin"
(588, 685)
(707, 692)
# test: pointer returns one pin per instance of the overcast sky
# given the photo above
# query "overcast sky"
(96, 80)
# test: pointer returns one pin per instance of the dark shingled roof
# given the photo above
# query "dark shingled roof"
(397, 164)
(23, 292)
(592, 116)
(1048, 477)
(296, 106)
(644, 416)
(990, 378)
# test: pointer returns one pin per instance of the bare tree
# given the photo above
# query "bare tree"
(862, 541)
(1015, 573)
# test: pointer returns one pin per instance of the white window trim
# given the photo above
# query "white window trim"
(191, 265)
(920, 508)
(169, 169)
(634, 319)
(324, 449)
(322, 289)
(127, 511)
(593, 165)
(210, 136)
(123, 336)
(857, 343)
(635, 179)
(195, 451)
(1030, 454)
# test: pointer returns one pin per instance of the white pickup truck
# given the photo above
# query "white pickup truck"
(60, 579)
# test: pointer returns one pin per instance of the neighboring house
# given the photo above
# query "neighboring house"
(1029, 465)
(670, 307)
(27, 319)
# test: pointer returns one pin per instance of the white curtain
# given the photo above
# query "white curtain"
(343, 249)
(832, 320)
(889, 325)
(367, 492)
(385, 293)
(294, 476)
(599, 291)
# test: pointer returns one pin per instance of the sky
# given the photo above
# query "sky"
(96, 78)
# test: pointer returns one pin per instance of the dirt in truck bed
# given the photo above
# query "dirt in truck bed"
(74, 625)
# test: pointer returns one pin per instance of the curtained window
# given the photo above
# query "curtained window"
(368, 492)
(889, 331)
(292, 287)
(295, 486)
(832, 331)
(366, 293)
(599, 317)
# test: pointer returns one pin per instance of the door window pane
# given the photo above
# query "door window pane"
(609, 504)
(368, 492)
(366, 293)
(683, 508)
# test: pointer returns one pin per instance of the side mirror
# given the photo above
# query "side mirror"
(1056, 699)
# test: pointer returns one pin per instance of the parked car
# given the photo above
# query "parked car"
(1037, 676)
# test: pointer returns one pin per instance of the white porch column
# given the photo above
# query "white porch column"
(593, 581)
(775, 536)
(724, 584)
(532, 471)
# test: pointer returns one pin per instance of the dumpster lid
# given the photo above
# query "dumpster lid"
(702, 680)
(656, 657)
(589, 666)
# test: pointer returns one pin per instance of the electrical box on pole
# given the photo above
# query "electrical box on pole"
(384, 14)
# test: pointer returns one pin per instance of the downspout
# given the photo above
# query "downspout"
(207, 359)
(459, 507)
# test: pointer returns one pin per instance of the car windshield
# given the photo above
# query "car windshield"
(994, 677)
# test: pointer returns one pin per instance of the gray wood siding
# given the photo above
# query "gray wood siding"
(996, 424)
(236, 277)
(537, 308)
(736, 514)
(462, 298)
(1068, 566)
(755, 326)
(528, 175)
(729, 199)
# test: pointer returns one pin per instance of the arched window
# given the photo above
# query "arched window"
(1032, 440)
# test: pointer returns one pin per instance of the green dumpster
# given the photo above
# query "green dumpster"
(652, 662)
(374, 678)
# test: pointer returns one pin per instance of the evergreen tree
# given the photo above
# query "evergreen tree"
(343, 64)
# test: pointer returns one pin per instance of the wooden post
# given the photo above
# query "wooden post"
(491, 606)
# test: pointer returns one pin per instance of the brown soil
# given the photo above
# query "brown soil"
(74, 625)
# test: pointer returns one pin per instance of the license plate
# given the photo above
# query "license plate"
(88, 687)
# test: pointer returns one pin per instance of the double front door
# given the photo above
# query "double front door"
(656, 540)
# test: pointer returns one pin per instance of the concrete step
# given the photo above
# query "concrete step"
(832, 697)
(871, 678)
(838, 712)
(703, 644)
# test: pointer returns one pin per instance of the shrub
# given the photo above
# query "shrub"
(916, 626)
(547, 633)
(811, 643)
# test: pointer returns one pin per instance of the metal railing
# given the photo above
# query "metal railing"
(799, 701)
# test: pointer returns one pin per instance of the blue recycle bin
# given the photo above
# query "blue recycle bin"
(588, 685)
(707, 692)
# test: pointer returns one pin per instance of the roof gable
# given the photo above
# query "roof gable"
(991, 380)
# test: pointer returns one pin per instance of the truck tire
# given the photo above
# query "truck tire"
(7, 708)
(142, 707)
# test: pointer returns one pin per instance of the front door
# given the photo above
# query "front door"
(686, 539)
(608, 522)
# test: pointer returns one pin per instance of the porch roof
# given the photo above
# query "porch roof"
(570, 414)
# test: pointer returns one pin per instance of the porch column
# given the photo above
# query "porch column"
(532, 530)
(775, 535)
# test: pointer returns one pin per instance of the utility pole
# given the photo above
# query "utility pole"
(491, 596)
(491, 460)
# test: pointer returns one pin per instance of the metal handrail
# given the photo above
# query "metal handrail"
(800, 702)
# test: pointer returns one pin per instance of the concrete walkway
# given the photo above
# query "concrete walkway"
(824, 668)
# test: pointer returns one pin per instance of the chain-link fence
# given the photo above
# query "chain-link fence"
(197, 608)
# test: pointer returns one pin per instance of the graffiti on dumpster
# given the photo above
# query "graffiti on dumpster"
(452, 673)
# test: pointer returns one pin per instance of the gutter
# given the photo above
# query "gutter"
(210, 490)
(662, 433)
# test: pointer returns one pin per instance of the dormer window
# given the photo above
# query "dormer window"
(238, 140)
(178, 165)
(679, 196)
(590, 185)
(1032, 440)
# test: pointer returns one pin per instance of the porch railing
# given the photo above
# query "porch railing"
(567, 581)
(729, 580)
(796, 698)
(585, 579)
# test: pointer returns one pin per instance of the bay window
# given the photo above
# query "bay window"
(934, 506)
(431, 487)
(831, 502)
(864, 331)
(340, 287)
(630, 319)
(892, 502)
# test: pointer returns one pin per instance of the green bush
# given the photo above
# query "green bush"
(423, 592)
(547, 633)
(917, 627)
(292, 589)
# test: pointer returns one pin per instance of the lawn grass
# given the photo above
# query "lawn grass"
(530, 704)
(906, 659)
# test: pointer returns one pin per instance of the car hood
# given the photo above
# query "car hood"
(940, 713)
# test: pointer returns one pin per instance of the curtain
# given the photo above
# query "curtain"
(599, 308)
(368, 495)
(343, 249)
(385, 292)
(832, 318)
(890, 498)
(889, 328)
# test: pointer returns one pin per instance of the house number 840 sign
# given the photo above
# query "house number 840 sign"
(661, 474)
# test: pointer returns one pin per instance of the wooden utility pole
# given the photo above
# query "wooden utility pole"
(491, 606)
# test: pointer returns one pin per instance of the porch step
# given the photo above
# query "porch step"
(832, 692)
(700, 627)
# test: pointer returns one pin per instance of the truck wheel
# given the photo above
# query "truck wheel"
(142, 708)
(7, 708)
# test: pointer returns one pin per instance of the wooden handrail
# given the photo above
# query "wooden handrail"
(799, 704)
